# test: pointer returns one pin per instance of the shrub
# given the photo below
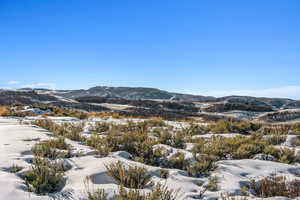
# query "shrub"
(284, 155)
(97, 195)
(43, 178)
(100, 127)
(131, 177)
(139, 127)
(68, 130)
(178, 140)
(296, 129)
(162, 192)
(164, 137)
(164, 173)
(81, 115)
(137, 144)
(175, 140)
(196, 129)
(45, 124)
(129, 195)
(56, 165)
(60, 112)
(202, 167)
(158, 157)
(74, 132)
(4, 111)
(15, 168)
(44, 150)
(212, 184)
(111, 141)
(103, 150)
(99, 143)
(246, 151)
(48, 149)
(276, 186)
(178, 161)
(234, 127)
(242, 148)
(228, 148)
(281, 129)
(156, 122)
(159, 193)
(58, 143)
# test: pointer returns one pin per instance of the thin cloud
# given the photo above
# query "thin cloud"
(13, 82)
(292, 92)
(41, 85)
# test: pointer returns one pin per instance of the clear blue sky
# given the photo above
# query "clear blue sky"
(197, 46)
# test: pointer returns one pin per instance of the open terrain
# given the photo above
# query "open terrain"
(83, 147)
(151, 102)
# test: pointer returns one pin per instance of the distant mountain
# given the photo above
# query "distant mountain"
(142, 101)
(276, 103)
(31, 97)
(134, 93)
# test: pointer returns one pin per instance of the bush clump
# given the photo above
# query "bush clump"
(284, 155)
(202, 167)
(275, 139)
(130, 177)
(239, 147)
(100, 127)
(276, 186)
(15, 168)
(97, 195)
(175, 140)
(48, 149)
(44, 177)
(68, 130)
(178, 161)
(138, 144)
(212, 184)
(234, 127)
(160, 192)
(58, 143)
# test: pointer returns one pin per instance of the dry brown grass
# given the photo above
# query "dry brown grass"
(276, 186)
(4, 111)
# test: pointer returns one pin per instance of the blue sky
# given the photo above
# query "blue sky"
(206, 47)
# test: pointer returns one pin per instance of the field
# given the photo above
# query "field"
(102, 158)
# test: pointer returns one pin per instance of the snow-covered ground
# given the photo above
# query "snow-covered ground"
(17, 139)
(15, 150)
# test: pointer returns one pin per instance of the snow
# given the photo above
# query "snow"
(37, 111)
(113, 106)
(12, 144)
(17, 139)
(235, 173)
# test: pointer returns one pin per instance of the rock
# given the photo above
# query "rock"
(262, 156)
(123, 154)
(292, 140)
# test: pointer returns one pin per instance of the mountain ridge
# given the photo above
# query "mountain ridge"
(158, 94)
(142, 101)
